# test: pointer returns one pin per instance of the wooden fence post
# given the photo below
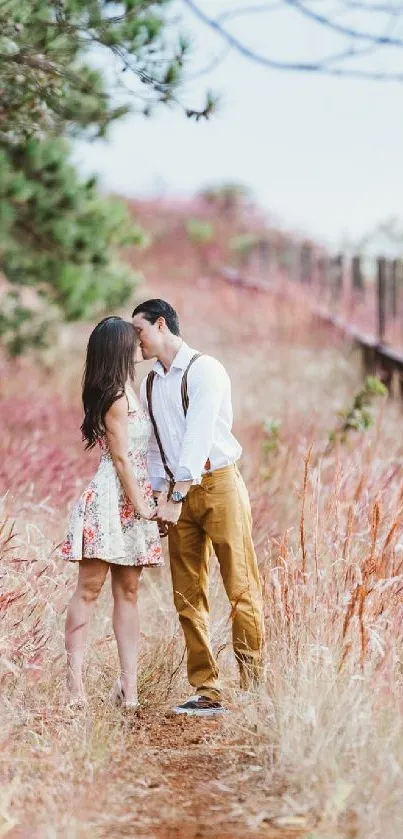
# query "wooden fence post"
(381, 297)
(337, 276)
(264, 250)
(394, 277)
(294, 262)
(322, 273)
(357, 275)
(306, 263)
(264, 254)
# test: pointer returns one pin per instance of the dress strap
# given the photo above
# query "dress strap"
(132, 402)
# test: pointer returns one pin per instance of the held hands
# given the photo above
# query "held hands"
(163, 528)
(167, 511)
(164, 512)
(162, 525)
(146, 510)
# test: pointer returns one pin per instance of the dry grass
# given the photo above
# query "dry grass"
(330, 714)
(320, 747)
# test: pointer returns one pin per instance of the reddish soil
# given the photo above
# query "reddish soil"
(189, 779)
(178, 778)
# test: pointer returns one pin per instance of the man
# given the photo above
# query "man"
(193, 467)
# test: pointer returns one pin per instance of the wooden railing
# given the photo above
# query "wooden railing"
(361, 297)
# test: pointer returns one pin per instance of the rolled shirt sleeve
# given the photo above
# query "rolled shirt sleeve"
(208, 384)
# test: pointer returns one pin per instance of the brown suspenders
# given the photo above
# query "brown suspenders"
(185, 405)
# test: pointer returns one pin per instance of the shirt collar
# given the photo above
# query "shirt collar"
(181, 360)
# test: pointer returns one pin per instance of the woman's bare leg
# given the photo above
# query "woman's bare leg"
(126, 624)
(91, 577)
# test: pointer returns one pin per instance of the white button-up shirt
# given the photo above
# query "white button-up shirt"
(205, 433)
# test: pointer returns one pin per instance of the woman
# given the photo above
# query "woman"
(112, 525)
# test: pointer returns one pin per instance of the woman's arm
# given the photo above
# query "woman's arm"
(117, 437)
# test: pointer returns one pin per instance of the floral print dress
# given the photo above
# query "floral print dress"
(104, 523)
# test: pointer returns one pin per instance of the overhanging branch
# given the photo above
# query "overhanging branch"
(359, 41)
(348, 31)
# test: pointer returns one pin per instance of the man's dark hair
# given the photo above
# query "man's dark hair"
(154, 309)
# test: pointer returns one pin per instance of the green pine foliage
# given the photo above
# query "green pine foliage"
(57, 234)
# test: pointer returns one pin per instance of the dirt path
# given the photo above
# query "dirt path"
(186, 779)
(190, 778)
(177, 778)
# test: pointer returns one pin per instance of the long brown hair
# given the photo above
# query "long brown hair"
(109, 363)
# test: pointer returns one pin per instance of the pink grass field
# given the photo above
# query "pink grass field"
(317, 751)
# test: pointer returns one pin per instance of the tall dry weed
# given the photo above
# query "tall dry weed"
(330, 715)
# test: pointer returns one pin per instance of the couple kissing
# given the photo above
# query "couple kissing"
(168, 466)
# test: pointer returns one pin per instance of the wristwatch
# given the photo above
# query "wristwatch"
(177, 497)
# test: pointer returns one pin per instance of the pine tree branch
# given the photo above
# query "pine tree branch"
(34, 62)
(49, 68)
(164, 90)
(215, 62)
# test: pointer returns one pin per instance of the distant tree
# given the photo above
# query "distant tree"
(229, 197)
(243, 245)
(201, 234)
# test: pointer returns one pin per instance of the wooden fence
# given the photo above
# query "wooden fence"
(360, 296)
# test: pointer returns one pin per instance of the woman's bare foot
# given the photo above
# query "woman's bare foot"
(75, 691)
(120, 697)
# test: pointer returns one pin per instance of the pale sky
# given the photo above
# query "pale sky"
(323, 156)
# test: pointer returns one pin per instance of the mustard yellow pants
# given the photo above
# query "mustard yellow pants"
(217, 514)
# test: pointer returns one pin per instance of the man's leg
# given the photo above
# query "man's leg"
(189, 552)
(228, 522)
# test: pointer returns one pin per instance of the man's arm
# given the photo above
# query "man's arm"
(208, 383)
